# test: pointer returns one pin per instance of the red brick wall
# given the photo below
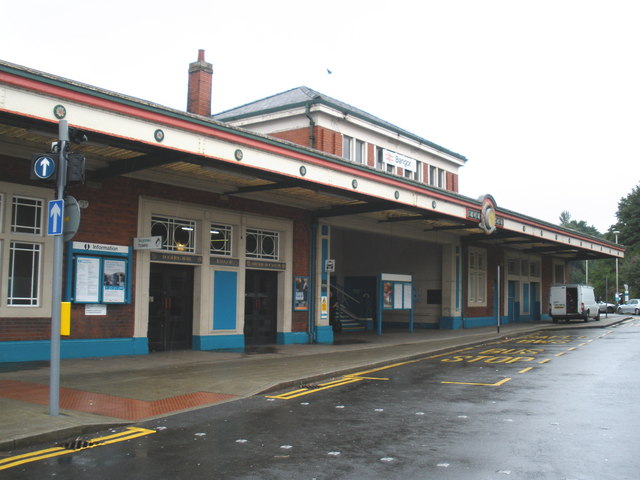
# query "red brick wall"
(299, 136)
(112, 217)
(371, 155)
(452, 182)
(546, 282)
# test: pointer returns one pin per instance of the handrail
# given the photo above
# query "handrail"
(343, 292)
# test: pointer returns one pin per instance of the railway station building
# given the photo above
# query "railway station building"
(280, 221)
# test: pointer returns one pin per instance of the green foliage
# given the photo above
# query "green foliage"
(628, 225)
(629, 220)
(602, 274)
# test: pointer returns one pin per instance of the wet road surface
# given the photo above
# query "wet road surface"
(552, 405)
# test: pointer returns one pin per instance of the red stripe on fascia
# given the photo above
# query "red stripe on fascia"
(137, 112)
(561, 232)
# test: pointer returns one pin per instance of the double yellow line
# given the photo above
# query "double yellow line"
(128, 434)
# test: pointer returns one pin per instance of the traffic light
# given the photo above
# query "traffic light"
(75, 168)
(44, 166)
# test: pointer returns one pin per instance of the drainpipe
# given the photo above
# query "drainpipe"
(312, 282)
(463, 282)
(312, 124)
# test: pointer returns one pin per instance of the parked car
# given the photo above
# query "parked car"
(606, 307)
(632, 306)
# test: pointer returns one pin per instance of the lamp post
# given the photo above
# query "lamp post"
(616, 233)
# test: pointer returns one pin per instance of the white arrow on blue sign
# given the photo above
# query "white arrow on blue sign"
(55, 215)
(44, 167)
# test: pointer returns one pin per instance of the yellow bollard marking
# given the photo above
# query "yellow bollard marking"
(128, 434)
(65, 318)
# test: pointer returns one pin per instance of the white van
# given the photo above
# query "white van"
(573, 301)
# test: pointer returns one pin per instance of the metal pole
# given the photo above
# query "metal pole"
(617, 291)
(498, 299)
(56, 295)
(586, 272)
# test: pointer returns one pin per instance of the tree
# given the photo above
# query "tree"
(628, 225)
(599, 270)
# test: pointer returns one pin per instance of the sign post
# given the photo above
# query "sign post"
(56, 216)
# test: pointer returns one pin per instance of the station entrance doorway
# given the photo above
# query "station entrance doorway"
(170, 307)
(260, 307)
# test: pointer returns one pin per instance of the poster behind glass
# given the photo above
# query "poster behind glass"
(114, 281)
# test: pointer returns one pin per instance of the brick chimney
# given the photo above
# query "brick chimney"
(199, 96)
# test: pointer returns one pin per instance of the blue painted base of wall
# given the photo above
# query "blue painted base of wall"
(218, 342)
(481, 322)
(29, 351)
(450, 323)
(287, 338)
(405, 325)
(324, 335)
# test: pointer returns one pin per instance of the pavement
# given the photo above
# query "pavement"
(101, 393)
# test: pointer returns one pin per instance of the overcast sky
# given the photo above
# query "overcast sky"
(542, 97)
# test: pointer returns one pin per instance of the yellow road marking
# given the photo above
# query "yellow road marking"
(560, 354)
(571, 349)
(357, 377)
(544, 361)
(306, 391)
(364, 378)
(128, 434)
(497, 384)
(525, 370)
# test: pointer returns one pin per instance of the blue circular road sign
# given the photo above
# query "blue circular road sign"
(44, 167)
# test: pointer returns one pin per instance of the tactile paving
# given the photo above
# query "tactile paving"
(108, 405)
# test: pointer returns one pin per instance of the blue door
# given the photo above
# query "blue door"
(513, 304)
(535, 302)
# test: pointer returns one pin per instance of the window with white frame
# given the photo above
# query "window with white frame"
(22, 252)
(26, 215)
(437, 177)
(347, 145)
(24, 256)
(353, 149)
(477, 285)
(177, 234)
(262, 244)
(414, 175)
(534, 269)
(359, 154)
(221, 240)
(24, 274)
(524, 266)
(513, 266)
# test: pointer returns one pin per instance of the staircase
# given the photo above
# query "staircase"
(348, 322)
